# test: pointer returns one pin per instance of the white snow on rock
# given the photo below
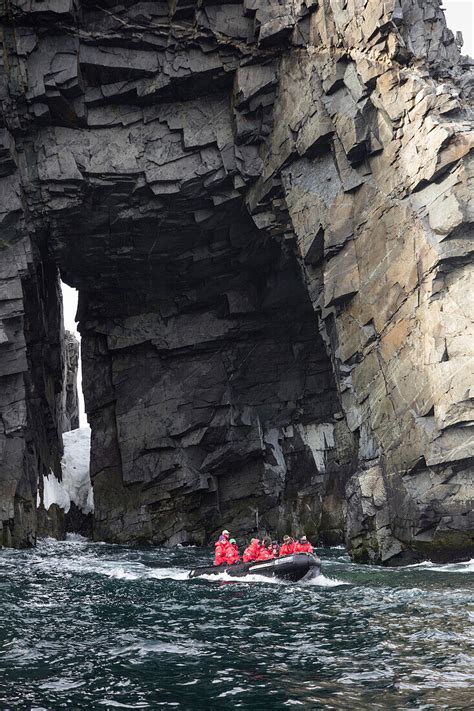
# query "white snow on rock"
(75, 468)
(54, 492)
(76, 485)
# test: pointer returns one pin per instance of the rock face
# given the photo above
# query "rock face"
(266, 208)
(70, 396)
(31, 368)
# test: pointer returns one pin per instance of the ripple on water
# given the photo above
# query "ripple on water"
(86, 625)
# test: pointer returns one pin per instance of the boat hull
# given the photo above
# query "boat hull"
(299, 566)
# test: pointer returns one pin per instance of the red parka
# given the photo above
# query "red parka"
(251, 552)
(303, 547)
(265, 554)
(287, 549)
(220, 556)
(232, 555)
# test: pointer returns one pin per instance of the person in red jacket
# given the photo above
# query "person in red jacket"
(303, 546)
(221, 546)
(266, 551)
(288, 546)
(252, 551)
(232, 555)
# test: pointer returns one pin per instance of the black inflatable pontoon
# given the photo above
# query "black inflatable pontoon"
(294, 567)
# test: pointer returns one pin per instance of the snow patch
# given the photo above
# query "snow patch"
(75, 468)
(75, 486)
(54, 492)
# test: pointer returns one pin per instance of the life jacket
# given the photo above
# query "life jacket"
(221, 548)
(287, 549)
(251, 553)
(303, 547)
(232, 555)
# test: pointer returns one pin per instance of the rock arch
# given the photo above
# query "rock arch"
(266, 210)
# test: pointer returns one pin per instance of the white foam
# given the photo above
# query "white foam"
(464, 567)
(319, 581)
(124, 571)
(232, 692)
(168, 574)
(76, 538)
(118, 705)
(322, 581)
(293, 702)
(120, 573)
(225, 577)
(160, 646)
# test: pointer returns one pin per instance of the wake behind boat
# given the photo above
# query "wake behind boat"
(295, 567)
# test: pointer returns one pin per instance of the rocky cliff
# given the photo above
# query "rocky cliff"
(266, 208)
(70, 403)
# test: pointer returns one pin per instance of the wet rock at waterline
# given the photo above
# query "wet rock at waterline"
(396, 519)
(266, 208)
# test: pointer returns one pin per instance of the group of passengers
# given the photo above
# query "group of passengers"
(227, 551)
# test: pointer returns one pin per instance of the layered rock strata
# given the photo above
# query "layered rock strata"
(266, 208)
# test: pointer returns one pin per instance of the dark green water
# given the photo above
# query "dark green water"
(90, 626)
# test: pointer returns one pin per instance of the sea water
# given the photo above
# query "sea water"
(91, 626)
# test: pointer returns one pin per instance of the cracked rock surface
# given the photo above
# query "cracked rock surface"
(267, 210)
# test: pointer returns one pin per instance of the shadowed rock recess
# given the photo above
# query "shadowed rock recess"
(266, 207)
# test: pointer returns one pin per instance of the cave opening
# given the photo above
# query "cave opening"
(207, 385)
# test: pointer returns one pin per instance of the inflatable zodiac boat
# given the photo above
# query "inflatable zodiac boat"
(299, 566)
